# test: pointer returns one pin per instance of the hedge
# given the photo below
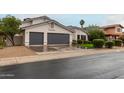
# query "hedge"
(118, 42)
(109, 44)
(87, 42)
(79, 41)
(98, 43)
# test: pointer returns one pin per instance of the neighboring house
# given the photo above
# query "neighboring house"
(45, 31)
(113, 32)
(78, 33)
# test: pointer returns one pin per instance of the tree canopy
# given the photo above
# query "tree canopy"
(95, 32)
(9, 25)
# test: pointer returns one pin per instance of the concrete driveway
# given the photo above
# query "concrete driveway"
(99, 66)
(52, 48)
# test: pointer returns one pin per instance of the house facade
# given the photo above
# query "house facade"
(46, 31)
(113, 32)
(78, 33)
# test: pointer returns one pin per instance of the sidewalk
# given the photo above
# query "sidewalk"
(54, 55)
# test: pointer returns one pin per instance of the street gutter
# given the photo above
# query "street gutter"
(44, 56)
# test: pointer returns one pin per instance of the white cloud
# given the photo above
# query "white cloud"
(22, 16)
(115, 19)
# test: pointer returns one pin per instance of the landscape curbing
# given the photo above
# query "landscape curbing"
(44, 56)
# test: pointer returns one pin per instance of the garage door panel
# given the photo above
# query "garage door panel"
(36, 38)
(56, 38)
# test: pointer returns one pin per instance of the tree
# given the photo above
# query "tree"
(95, 33)
(82, 23)
(2, 35)
(10, 26)
(121, 38)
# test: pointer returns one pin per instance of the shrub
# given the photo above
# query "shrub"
(87, 42)
(74, 42)
(87, 46)
(118, 42)
(1, 42)
(79, 41)
(95, 32)
(109, 44)
(121, 38)
(98, 43)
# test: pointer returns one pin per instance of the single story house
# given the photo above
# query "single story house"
(78, 33)
(46, 31)
(113, 32)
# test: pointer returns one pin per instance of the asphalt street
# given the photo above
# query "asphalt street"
(99, 66)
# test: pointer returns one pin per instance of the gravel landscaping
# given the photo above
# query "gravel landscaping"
(16, 51)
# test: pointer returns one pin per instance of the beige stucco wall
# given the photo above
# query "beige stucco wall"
(25, 24)
(39, 20)
(35, 21)
(79, 32)
(45, 28)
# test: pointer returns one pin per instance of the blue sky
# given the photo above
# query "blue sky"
(74, 19)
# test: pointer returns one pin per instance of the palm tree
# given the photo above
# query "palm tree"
(82, 23)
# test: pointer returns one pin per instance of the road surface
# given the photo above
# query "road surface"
(100, 66)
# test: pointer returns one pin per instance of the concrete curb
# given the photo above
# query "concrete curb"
(53, 55)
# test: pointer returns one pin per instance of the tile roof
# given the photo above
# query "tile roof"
(75, 27)
(49, 20)
(113, 25)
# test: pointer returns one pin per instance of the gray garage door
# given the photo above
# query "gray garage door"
(56, 38)
(36, 38)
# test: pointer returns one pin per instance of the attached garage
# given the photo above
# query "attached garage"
(46, 32)
(58, 38)
(36, 38)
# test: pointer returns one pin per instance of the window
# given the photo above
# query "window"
(118, 29)
(83, 37)
(52, 25)
(78, 36)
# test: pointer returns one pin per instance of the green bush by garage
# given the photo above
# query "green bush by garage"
(79, 41)
(74, 43)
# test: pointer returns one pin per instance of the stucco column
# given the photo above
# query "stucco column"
(86, 37)
(26, 38)
(45, 38)
(80, 36)
(75, 36)
(70, 42)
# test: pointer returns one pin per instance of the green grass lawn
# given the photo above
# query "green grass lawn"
(87, 46)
